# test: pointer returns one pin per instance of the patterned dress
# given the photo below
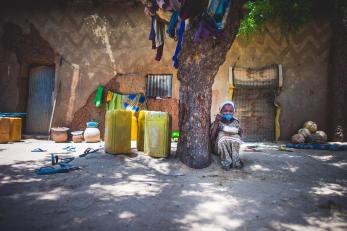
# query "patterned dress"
(227, 144)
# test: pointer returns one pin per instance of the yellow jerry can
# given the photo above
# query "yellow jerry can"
(157, 140)
(15, 129)
(4, 130)
(141, 130)
(133, 127)
(118, 131)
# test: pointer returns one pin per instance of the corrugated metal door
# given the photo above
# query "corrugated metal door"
(41, 85)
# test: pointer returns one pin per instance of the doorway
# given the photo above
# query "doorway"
(40, 100)
(254, 94)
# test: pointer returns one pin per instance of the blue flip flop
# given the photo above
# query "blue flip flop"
(64, 167)
(50, 170)
(70, 148)
(38, 150)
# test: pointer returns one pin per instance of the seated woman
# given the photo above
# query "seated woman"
(226, 136)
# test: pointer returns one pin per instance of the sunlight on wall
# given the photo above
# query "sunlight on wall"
(99, 29)
(74, 82)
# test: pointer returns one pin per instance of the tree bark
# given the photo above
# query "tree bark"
(338, 74)
(199, 64)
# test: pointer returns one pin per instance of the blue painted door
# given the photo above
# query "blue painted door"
(40, 99)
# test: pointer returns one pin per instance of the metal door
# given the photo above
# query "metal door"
(254, 97)
(40, 102)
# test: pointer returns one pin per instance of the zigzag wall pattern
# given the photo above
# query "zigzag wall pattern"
(73, 34)
(304, 57)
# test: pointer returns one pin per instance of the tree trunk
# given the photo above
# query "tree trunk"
(338, 74)
(199, 64)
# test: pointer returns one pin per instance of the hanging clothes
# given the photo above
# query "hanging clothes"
(115, 103)
(191, 8)
(152, 33)
(150, 7)
(175, 4)
(159, 53)
(171, 29)
(131, 102)
(157, 36)
(213, 19)
(109, 96)
(219, 10)
(159, 28)
(179, 44)
(164, 15)
(205, 31)
(159, 32)
(164, 4)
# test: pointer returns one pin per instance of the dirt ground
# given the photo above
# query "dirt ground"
(276, 190)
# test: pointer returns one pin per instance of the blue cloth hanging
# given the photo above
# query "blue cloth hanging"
(219, 10)
(179, 43)
(171, 29)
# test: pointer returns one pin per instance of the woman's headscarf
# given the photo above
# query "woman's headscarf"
(225, 103)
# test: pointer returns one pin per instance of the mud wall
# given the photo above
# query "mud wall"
(92, 45)
(125, 83)
(304, 57)
(108, 45)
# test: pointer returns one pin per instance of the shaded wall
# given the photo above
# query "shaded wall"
(20, 49)
(9, 69)
(92, 45)
(304, 57)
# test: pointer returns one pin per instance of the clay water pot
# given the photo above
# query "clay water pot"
(92, 133)
(59, 134)
(77, 136)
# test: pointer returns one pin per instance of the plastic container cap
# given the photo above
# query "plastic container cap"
(92, 124)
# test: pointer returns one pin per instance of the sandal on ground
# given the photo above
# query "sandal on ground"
(88, 151)
(38, 150)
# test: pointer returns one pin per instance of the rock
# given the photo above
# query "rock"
(318, 137)
(310, 125)
(298, 139)
(304, 131)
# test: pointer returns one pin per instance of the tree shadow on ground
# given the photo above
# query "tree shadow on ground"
(289, 191)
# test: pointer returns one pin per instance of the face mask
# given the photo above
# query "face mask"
(228, 117)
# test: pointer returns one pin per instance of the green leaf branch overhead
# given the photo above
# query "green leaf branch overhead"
(289, 15)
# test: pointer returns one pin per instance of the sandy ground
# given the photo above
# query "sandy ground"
(301, 190)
